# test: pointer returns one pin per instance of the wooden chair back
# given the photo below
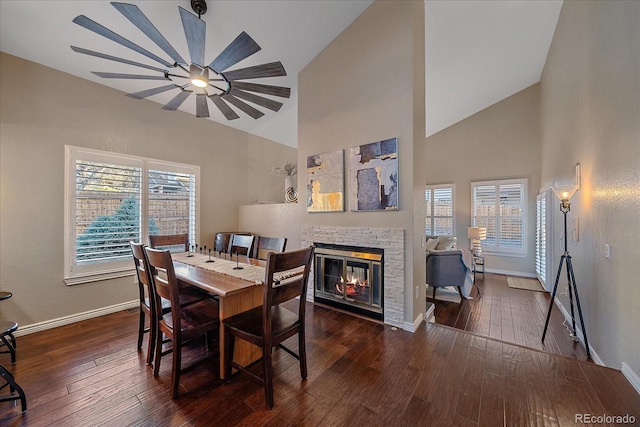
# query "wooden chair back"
(286, 277)
(142, 272)
(263, 245)
(222, 241)
(158, 241)
(165, 284)
(241, 244)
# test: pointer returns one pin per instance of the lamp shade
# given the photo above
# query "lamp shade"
(477, 233)
(565, 192)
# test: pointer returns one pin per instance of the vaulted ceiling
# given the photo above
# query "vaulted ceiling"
(477, 52)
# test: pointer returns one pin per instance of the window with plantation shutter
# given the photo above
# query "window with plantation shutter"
(112, 199)
(500, 207)
(439, 220)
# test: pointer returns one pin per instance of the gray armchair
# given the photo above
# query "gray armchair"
(446, 268)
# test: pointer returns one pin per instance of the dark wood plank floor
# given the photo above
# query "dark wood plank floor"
(360, 373)
(510, 315)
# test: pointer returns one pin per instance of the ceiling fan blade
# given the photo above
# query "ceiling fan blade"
(90, 25)
(272, 69)
(260, 100)
(195, 32)
(115, 58)
(139, 19)
(242, 47)
(224, 107)
(256, 114)
(177, 100)
(202, 109)
(150, 92)
(280, 91)
(128, 76)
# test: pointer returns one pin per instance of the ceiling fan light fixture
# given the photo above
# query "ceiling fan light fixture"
(199, 77)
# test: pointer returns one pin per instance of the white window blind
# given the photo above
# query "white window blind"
(541, 237)
(106, 208)
(107, 211)
(172, 203)
(439, 200)
(500, 207)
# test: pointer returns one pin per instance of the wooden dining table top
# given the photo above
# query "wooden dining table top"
(214, 282)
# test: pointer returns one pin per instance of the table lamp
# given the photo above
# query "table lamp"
(475, 234)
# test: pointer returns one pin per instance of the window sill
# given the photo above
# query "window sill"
(504, 254)
(96, 277)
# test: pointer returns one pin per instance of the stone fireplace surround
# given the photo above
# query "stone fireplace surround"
(389, 239)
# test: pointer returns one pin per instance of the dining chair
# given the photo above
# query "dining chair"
(241, 244)
(267, 326)
(179, 241)
(221, 242)
(148, 303)
(263, 245)
(182, 323)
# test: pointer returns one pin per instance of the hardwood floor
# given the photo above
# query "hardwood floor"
(360, 373)
(510, 315)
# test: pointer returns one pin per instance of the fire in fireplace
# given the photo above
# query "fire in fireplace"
(350, 278)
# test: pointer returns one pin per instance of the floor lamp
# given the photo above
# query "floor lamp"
(564, 193)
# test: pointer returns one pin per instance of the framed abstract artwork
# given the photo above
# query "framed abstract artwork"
(373, 176)
(325, 182)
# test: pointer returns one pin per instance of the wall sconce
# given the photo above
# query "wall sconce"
(475, 234)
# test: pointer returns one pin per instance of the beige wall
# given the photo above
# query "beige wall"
(499, 142)
(360, 89)
(273, 220)
(41, 110)
(590, 98)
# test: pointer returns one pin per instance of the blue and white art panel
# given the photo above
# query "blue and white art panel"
(373, 176)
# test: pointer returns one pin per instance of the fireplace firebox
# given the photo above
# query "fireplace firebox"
(350, 278)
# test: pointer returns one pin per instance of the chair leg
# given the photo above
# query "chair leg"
(302, 353)
(268, 375)
(158, 356)
(175, 370)
(13, 387)
(433, 295)
(153, 336)
(9, 347)
(460, 291)
(228, 353)
(140, 329)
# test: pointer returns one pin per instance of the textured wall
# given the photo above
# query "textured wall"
(41, 110)
(590, 98)
(499, 142)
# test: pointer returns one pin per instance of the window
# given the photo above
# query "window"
(542, 247)
(500, 207)
(439, 219)
(112, 199)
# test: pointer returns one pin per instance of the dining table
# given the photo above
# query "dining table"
(236, 280)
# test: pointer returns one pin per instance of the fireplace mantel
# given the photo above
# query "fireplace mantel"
(389, 239)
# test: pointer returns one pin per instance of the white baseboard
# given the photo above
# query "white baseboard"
(67, 320)
(631, 376)
(567, 317)
(412, 327)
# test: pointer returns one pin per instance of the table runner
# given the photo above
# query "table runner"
(253, 273)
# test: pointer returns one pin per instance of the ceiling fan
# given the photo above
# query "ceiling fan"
(222, 88)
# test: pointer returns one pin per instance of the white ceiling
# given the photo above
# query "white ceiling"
(477, 52)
